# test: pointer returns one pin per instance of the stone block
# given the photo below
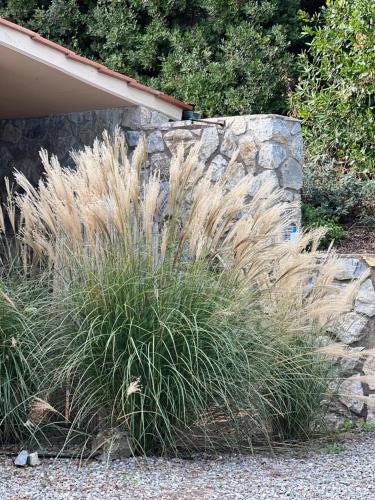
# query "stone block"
(237, 124)
(291, 174)
(32, 168)
(209, 142)
(351, 327)
(218, 166)
(164, 195)
(160, 162)
(7, 161)
(33, 460)
(271, 155)
(365, 301)
(351, 394)
(322, 340)
(21, 459)
(287, 196)
(136, 117)
(294, 126)
(280, 130)
(157, 118)
(9, 132)
(350, 269)
(296, 148)
(155, 142)
(268, 128)
(370, 260)
(369, 371)
(174, 138)
(248, 150)
(62, 130)
(86, 134)
(132, 138)
(197, 132)
(371, 409)
(229, 144)
(238, 174)
(350, 363)
(256, 181)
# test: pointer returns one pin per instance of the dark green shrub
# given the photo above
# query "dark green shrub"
(312, 217)
(335, 94)
(227, 58)
(337, 193)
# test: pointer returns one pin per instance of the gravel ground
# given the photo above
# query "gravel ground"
(344, 471)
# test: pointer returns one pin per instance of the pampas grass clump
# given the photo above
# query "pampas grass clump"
(21, 306)
(185, 311)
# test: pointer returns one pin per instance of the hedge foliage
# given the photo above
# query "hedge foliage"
(231, 57)
(335, 95)
(227, 57)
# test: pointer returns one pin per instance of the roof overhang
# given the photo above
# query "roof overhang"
(39, 78)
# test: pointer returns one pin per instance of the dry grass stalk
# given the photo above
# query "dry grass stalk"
(107, 203)
(39, 410)
(343, 351)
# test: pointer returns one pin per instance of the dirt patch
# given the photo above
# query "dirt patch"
(358, 238)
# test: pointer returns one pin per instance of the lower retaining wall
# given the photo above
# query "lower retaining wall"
(357, 329)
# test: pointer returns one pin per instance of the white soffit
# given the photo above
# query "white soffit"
(39, 78)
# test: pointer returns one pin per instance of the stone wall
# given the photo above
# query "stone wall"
(357, 329)
(22, 139)
(270, 146)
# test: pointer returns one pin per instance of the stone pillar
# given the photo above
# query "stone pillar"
(270, 148)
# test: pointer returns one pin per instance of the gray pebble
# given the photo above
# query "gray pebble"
(33, 460)
(21, 459)
(345, 471)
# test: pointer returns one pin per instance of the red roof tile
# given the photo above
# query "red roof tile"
(102, 69)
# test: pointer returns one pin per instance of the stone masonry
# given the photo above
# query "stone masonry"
(356, 328)
(22, 139)
(270, 146)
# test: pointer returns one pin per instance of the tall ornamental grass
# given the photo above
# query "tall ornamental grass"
(188, 318)
(21, 367)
